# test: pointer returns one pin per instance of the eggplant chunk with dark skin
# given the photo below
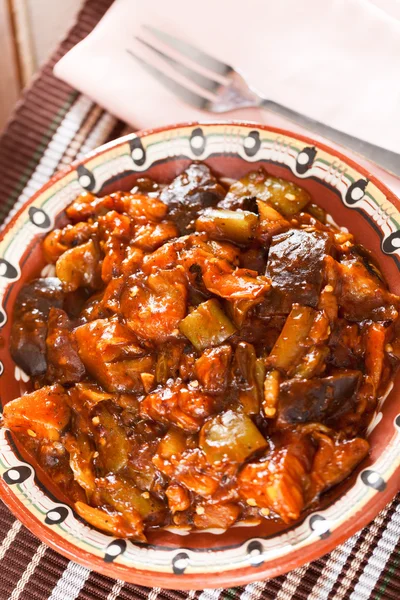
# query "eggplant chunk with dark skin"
(189, 193)
(362, 295)
(64, 364)
(29, 329)
(334, 461)
(295, 266)
(317, 400)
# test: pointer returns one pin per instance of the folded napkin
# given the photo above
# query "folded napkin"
(336, 61)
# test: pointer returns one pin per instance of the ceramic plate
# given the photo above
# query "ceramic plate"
(356, 200)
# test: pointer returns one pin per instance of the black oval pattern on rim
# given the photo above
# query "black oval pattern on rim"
(397, 421)
(39, 218)
(356, 191)
(320, 525)
(17, 475)
(197, 141)
(86, 178)
(138, 152)
(255, 552)
(114, 549)
(57, 515)
(305, 159)
(252, 143)
(7, 269)
(373, 479)
(391, 243)
(180, 563)
(1, 368)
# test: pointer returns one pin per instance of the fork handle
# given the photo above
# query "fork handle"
(385, 158)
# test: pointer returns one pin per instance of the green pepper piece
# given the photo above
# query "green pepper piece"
(285, 196)
(234, 225)
(207, 325)
(230, 435)
(111, 439)
(316, 211)
(312, 363)
(292, 341)
(124, 496)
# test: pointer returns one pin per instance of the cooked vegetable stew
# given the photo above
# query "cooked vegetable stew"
(205, 355)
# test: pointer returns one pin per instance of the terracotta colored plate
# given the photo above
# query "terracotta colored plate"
(355, 199)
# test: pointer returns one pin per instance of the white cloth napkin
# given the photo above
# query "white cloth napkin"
(337, 61)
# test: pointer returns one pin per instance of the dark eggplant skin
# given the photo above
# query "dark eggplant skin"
(295, 266)
(189, 193)
(317, 400)
(29, 329)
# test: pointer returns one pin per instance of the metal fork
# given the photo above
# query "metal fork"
(225, 89)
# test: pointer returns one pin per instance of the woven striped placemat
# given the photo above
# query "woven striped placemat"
(52, 125)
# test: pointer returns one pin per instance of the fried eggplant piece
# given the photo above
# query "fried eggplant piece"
(194, 472)
(249, 373)
(218, 516)
(345, 345)
(189, 193)
(29, 328)
(296, 266)
(174, 443)
(334, 461)
(154, 306)
(80, 267)
(179, 405)
(212, 369)
(64, 364)
(115, 232)
(42, 414)
(280, 481)
(168, 359)
(178, 498)
(59, 240)
(112, 354)
(362, 295)
(317, 400)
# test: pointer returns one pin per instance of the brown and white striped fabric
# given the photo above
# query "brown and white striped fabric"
(52, 125)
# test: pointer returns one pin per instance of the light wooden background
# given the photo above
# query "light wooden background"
(9, 77)
(29, 31)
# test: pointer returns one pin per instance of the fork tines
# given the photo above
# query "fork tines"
(184, 52)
